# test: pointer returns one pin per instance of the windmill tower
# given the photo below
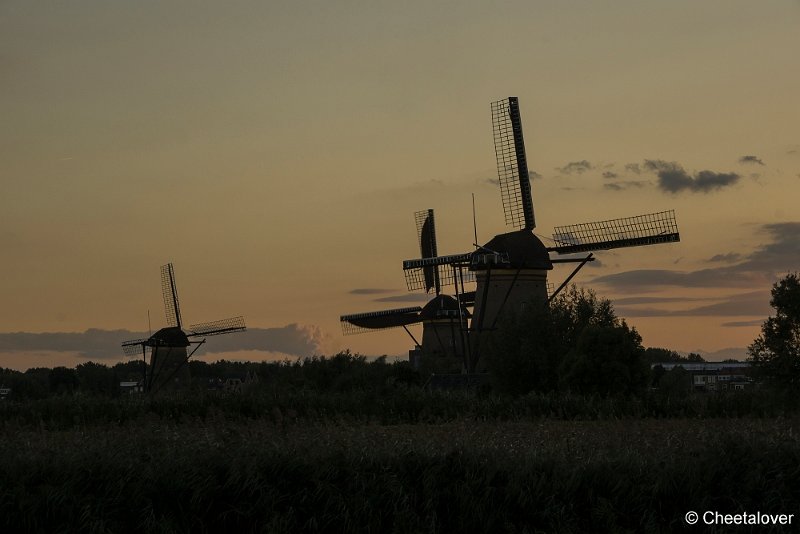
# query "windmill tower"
(444, 318)
(169, 347)
(511, 269)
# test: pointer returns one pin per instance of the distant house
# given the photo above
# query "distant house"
(131, 386)
(4, 392)
(233, 383)
(714, 376)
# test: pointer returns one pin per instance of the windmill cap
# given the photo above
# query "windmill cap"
(172, 336)
(523, 250)
(440, 307)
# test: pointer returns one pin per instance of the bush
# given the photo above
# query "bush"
(546, 346)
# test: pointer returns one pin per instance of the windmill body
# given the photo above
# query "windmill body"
(168, 353)
(513, 274)
(444, 319)
(170, 346)
(443, 336)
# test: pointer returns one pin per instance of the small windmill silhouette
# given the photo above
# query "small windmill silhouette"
(169, 346)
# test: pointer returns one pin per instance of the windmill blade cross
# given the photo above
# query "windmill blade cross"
(649, 229)
(172, 307)
(512, 164)
(215, 328)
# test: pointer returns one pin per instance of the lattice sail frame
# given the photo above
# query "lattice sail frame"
(169, 289)
(348, 328)
(414, 270)
(426, 228)
(426, 236)
(215, 328)
(133, 347)
(512, 164)
(649, 229)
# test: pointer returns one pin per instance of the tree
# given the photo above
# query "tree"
(775, 354)
(606, 360)
(693, 357)
(660, 355)
(528, 347)
(96, 378)
(676, 382)
(63, 380)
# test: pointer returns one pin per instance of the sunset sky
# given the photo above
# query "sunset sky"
(275, 152)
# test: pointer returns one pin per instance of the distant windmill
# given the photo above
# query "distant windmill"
(511, 269)
(444, 318)
(168, 346)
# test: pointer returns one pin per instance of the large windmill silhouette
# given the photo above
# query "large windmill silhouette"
(511, 269)
(169, 346)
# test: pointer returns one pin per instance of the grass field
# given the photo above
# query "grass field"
(281, 471)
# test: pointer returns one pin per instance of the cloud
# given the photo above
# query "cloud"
(744, 304)
(635, 168)
(532, 175)
(626, 301)
(757, 322)
(620, 186)
(610, 175)
(726, 258)
(736, 353)
(95, 344)
(760, 268)
(370, 291)
(751, 159)
(408, 297)
(294, 339)
(575, 167)
(672, 178)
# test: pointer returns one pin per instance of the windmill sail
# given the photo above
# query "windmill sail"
(446, 268)
(364, 322)
(133, 347)
(426, 232)
(170, 291)
(215, 328)
(649, 229)
(512, 164)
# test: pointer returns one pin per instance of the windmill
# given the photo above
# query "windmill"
(444, 318)
(511, 269)
(169, 346)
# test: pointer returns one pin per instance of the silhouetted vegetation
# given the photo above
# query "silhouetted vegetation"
(578, 435)
(576, 343)
(775, 354)
(660, 355)
(217, 475)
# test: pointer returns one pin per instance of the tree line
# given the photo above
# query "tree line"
(576, 344)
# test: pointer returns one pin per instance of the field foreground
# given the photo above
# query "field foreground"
(215, 474)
